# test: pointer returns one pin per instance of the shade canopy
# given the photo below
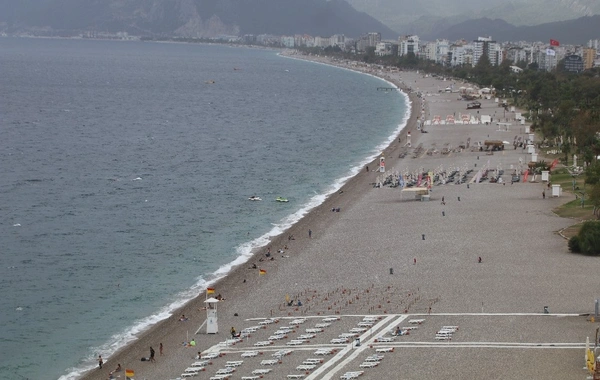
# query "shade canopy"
(211, 300)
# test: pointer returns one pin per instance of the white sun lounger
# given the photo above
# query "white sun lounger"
(281, 353)
(351, 375)
(369, 364)
(298, 321)
(249, 354)
(416, 321)
(263, 343)
(277, 337)
(252, 329)
(314, 330)
(443, 337)
(323, 351)
(202, 363)
(269, 362)
(193, 369)
(383, 339)
(189, 374)
(312, 361)
(295, 376)
(211, 355)
(295, 342)
(384, 349)
(220, 377)
(306, 336)
(261, 371)
(234, 363)
(321, 325)
(450, 328)
(330, 319)
(225, 371)
(306, 367)
(250, 377)
(283, 331)
(370, 319)
(374, 358)
(267, 322)
(348, 335)
(338, 341)
(358, 330)
(365, 324)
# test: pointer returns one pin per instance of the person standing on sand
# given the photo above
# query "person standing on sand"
(100, 361)
(310, 233)
(160, 349)
(543, 194)
(152, 355)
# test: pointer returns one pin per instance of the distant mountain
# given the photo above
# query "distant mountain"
(190, 18)
(577, 31)
(427, 16)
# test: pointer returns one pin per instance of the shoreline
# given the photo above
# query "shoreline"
(236, 266)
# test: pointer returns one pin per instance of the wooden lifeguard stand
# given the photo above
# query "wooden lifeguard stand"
(212, 321)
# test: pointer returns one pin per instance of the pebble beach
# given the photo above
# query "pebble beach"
(397, 260)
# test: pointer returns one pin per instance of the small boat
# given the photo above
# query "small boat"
(281, 199)
(254, 198)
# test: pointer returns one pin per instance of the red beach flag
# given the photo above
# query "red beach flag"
(129, 373)
(554, 42)
(262, 271)
(210, 290)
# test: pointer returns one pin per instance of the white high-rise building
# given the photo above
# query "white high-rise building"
(408, 44)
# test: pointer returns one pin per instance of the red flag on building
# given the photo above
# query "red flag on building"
(554, 42)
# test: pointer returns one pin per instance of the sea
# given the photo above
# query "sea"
(125, 173)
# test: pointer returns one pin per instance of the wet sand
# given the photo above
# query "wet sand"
(345, 267)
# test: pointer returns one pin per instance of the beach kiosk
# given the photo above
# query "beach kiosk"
(212, 325)
(556, 190)
(419, 193)
(545, 175)
(382, 164)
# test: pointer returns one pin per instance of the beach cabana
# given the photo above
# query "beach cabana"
(419, 193)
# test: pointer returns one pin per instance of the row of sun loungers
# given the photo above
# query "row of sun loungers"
(445, 333)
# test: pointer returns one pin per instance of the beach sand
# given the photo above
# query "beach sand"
(345, 268)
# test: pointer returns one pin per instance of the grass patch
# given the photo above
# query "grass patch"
(574, 210)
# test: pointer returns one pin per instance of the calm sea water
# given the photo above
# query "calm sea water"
(126, 171)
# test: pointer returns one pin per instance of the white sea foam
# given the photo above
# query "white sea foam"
(244, 251)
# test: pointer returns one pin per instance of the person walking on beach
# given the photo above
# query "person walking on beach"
(310, 233)
(543, 194)
(152, 355)
(100, 361)
(160, 349)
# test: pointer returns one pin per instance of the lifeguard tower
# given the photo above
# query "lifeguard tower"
(212, 321)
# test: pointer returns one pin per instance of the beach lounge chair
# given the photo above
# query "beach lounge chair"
(281, 353)
(261, 371)
(315, 361)
(211, 355)
(267, 321)
(374, 358)
(250, 377)
(298, 321)
(322, 325)
(368, 364)
(383, 339)
(220, 377)
(314, 330)
(306, 336)
(300, 376)
(225, 371)
(455, 328)
(306, 367)
(263, 343)
(338, 341)
(188, 374)
(234, 363)
(284, 330)
(249, 354)
(193, 369)
(330, 319)
(295, 342)
(202, 363)
(347, 335)
(358, 330)
(384, 349)
(416, 321)
(249, 330)
(277, 337)
(269, 362)
(323, 351)
(351, 375)
(365, 324)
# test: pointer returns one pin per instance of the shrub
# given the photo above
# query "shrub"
(588, 239)
(574, 244)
